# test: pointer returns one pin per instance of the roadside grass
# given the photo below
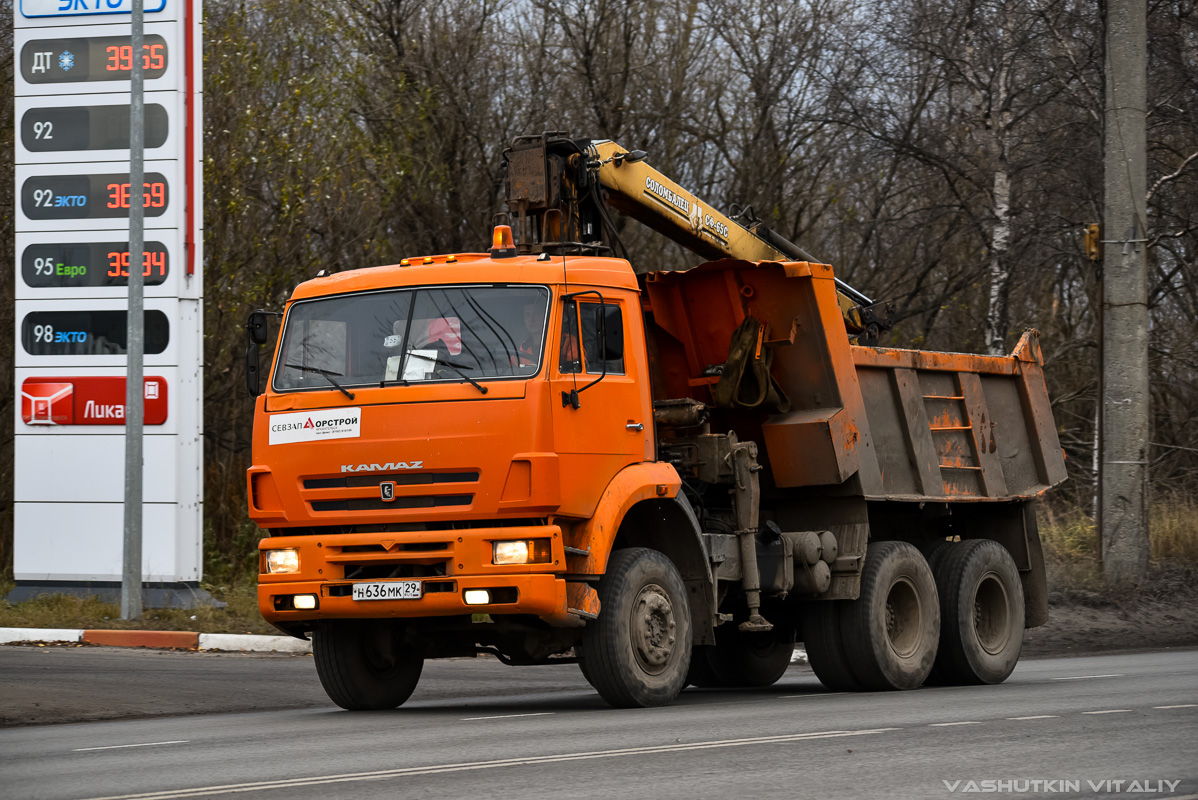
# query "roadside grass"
(1073, 558)
(240, 615)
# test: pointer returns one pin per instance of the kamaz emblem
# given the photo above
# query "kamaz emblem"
(390, 465)
(387, 491)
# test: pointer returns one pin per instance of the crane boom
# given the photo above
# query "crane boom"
(553, 189)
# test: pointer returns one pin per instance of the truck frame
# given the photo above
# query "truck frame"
(668, 477)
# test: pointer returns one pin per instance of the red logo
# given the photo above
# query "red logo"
(47, 402)
(88, 401)
(309, 424)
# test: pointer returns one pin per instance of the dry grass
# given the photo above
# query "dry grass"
(1071, 549)
(240, 615)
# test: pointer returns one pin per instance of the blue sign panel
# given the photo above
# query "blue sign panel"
(74, 8)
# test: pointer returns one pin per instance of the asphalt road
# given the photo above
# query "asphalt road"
(477, 729)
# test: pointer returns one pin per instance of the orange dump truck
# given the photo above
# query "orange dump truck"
(670, 478)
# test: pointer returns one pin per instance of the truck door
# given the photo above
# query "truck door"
(612, 424)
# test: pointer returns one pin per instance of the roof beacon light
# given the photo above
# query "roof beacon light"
(502, 243)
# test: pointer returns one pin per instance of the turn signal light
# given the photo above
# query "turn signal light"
(503, 245)
(522, 551)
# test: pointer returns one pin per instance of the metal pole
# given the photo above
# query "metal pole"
(135, 339)
(1123, 442)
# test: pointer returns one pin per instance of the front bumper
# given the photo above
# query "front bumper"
(447, 563)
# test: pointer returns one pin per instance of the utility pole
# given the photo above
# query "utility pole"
(1124, 421)
(135, 335)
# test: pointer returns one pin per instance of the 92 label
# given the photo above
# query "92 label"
(90, 196)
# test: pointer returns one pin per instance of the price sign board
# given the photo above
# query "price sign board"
(73, 60)
(55, 130)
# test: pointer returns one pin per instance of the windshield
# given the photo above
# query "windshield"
(450, 334)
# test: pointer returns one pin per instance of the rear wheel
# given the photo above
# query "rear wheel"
(701, 674)
(363, 665)
(891, 630)
(981, 614)
(637, 652)
(824, 644)
(752, 659)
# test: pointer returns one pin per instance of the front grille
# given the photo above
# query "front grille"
(372, 572)
(410, 527)
(377, 504)
(402, 479)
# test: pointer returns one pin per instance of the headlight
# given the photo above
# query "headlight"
(523, 551)
(282, 561)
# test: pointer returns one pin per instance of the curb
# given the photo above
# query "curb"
(177, 640)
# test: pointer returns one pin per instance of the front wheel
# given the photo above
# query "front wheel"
(363, 664)
(638, 650)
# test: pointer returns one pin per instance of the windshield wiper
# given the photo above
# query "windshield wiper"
(328, 376)
(455, 367)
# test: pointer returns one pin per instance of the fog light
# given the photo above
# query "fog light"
(511, 553)
(282, 561)
(305, 602)
(477, 597)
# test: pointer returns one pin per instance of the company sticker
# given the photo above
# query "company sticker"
(313, 426)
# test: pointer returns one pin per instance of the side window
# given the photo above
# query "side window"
(613, 323)
(568, 360)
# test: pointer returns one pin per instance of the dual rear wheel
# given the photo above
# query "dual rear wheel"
(956, 620)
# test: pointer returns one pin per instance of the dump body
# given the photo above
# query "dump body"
(910, 425)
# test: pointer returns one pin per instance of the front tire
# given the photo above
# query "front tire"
(981, 614)
(363, 665)
(638, 650)
(892, 630)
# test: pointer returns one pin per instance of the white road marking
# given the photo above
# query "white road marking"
(1085, 677)
(1186, 705)
(1038, 716)
(949, 724)
(122, 746)
(509, 716)
(1110, 711)
(321, 780)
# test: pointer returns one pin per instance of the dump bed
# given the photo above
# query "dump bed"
(908, 425)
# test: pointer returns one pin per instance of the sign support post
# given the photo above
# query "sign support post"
(135, 340)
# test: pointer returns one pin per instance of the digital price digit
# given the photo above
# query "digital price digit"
(120, 57)
(118, 264)
(153, 195)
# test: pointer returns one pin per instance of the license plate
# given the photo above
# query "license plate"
(390, 590)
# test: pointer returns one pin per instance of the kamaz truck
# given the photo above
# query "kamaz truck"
(544, 453)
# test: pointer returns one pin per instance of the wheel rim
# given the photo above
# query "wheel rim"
(903, 615)
(991, 614)
(654, 630)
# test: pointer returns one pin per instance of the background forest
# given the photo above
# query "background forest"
(942, 154)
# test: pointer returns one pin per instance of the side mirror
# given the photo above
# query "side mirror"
(257, 334)
(251, 370)
(255, 327)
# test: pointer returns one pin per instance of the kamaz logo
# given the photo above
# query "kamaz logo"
(390, 465)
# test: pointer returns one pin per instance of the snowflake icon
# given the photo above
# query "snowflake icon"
(66, 60)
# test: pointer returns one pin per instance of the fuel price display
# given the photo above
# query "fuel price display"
(46, 130)
(94, 58)
(89, 196)
(88, 333)
(90, 264)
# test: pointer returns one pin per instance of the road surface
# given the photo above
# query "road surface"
(477, 729)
